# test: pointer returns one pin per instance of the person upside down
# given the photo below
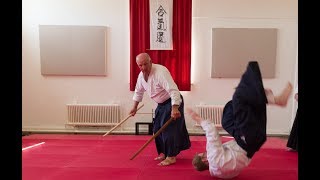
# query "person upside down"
(244, 118)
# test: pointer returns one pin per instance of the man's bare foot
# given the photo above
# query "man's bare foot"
(282, 99)
(270, 96)
(160, 157)
(168, 161)
(291, 150)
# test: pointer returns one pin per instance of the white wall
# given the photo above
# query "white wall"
(44, 98)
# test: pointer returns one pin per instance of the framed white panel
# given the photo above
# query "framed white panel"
(233, 48)
(73, 50)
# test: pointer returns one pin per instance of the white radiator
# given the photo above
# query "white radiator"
(93, 114)
(212, 112)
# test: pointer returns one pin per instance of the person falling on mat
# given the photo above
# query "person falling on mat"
(156, 80)
(244, 118)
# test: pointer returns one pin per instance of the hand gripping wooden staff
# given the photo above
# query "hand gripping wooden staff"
(154, 136)
(122, 121)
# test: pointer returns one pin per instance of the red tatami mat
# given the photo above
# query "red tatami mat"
(94, 157)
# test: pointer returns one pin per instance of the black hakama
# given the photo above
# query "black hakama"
(293, 137)
(244, 117)
(174, 138)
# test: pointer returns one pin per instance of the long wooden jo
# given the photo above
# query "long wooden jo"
(154, 136)
(122, 121)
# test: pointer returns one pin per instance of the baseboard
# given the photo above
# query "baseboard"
(131, 131)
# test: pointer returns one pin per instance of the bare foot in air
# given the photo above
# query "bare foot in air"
(282, 99)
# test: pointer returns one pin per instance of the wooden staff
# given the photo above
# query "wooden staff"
(154, 136)
(122, 121)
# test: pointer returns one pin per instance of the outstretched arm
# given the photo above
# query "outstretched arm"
(134, 109)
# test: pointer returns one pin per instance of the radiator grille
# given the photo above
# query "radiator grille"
(211, 112)
(93, 114)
